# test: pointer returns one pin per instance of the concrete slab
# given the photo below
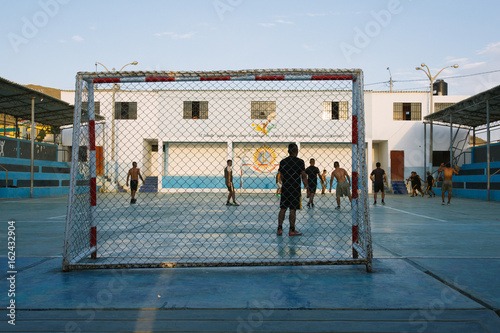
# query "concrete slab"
(258, 320)
(43, 286)
(476, 277)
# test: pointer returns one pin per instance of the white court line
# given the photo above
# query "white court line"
(259, 203)
(55, 217)
(426, 217)
(39, 221)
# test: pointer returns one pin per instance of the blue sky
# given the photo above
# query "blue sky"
(47, 42)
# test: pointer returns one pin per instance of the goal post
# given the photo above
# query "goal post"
(181, 129)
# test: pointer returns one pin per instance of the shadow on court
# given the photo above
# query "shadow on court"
(436, 269)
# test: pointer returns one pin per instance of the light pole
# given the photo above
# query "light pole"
(424, 68)
(113, 160)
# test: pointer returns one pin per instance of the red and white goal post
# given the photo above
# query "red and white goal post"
(181, 128)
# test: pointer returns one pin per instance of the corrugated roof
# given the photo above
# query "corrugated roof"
(15, 100)
(471, 111)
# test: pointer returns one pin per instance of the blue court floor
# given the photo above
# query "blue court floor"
(436, 269)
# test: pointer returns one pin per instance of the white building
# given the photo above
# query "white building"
(200, 129)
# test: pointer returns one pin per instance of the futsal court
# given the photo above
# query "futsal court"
(435, 269)
(199, 228)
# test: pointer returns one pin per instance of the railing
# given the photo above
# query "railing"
(6, 176)
(456, 159)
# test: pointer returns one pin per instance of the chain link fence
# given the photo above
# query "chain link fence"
(180, 129)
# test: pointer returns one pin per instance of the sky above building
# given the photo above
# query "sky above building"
(46, 42)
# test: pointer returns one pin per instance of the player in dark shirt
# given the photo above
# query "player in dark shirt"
(430, 184)
(312, 173)
(378, 177)
(292, 171)
(416, 184)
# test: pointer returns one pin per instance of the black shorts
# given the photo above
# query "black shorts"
(378, 187)
(291, 199)
(230, 187)
(133, 185)
(312, 188)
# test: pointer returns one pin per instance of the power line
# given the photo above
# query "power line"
(371, 84)
(459, 76)
(446, 77)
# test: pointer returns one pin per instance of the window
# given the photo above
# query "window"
(82, 154)
(407, 111)
(195, 110)
(97, 107)
(441, 106)
(440, 156)
(263, 110)
(126, 110)
(335, 110)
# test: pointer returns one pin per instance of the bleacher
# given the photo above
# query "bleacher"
(471, 182)
(50, 177)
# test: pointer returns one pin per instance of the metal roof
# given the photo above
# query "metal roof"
(15, 100)
(471, 111)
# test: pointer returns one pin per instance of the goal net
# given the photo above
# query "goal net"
(150, 184)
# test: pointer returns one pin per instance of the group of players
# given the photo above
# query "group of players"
(313, 173)
(447, 186)
(292, 172)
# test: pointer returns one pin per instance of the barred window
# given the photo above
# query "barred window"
(407, 111)
(441, 106)
(263, 110)
(97, 107)
(126, 110)
(335, 110)
(195, 110)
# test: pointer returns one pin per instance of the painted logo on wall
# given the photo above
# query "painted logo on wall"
(264, 159)
(264, 128)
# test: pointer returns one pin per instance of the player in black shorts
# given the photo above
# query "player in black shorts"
(378, 177)
(134, 174)
(292, 171)
(430, 184)
(416, 184)
(312, 173)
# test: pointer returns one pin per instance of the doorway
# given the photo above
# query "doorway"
(397, 165)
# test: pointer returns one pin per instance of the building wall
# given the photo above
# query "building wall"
(405, 135)
(298, 116)
(200, 147)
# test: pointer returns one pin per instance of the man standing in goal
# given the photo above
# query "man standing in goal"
(135, 174)
(292, 170)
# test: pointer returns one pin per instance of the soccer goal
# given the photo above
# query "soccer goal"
(150, 184)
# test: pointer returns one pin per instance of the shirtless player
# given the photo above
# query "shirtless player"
(447, 186)
(135, 174)
(343, 183)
